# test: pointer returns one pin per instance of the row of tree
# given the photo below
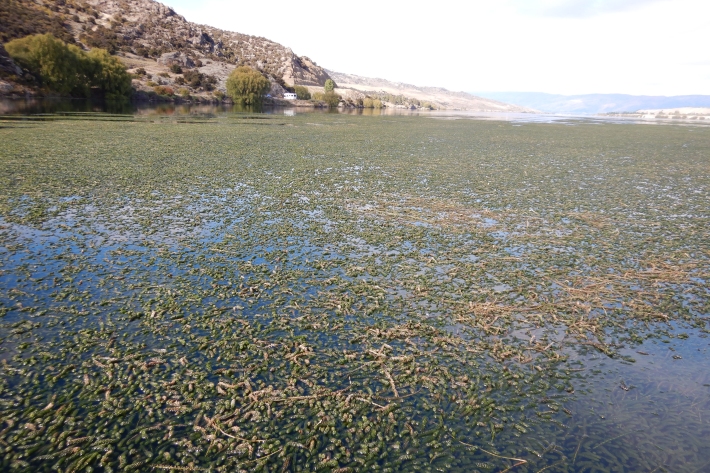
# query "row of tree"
(66, 69)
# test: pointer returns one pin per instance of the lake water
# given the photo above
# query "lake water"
(38, 108)
(189, 289)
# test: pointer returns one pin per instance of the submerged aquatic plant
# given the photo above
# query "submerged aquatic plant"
(250, 293)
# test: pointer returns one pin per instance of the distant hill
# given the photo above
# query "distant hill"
(350, 84)
(596, 103)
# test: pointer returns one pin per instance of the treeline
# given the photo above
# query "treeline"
(65, 69)
(404, 101)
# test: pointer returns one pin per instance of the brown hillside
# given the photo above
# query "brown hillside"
(148, 30)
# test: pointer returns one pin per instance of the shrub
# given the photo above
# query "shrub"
(140, 71)
(367, 103)
(247, 85)
(21, 18)
(163, 90)
(219, 95)
(196, 79)
(332, 99)
(150, 83)
(377, 103)
(176, 69)
(164, 74)
(329, 85)
(184, 93)
(102, 38)
(67, 70)
(302, 92)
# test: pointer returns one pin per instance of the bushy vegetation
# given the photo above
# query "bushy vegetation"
(109, 74)
(402, 100)
(164, 90)
(176, 69)
(329, 85)
(19, 19)
(67, 70)
(302, 92)
(195, 79)
(247, 85)
(371, 103)
(330, 98)
(103, 38)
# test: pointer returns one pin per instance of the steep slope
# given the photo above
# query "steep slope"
(150, 30)
(436, 96)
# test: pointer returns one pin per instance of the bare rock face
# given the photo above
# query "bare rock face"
(7, 65)
(303, 71)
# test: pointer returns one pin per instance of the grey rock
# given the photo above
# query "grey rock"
(7, 65)
(176, 57)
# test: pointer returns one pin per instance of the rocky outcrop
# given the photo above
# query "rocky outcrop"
(303, 71)
(148, 27)
(7, 65)
(276, 89)
(176, 57)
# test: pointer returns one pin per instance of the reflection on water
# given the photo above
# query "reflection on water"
(74, 107)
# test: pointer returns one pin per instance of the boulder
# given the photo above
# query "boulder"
(176, 57)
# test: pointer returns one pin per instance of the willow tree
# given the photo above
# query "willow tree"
(61, 68)
(65, 69)
(247, 85)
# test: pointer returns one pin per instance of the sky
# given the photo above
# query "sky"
(639, 47)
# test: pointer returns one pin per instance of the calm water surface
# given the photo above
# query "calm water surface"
(200, 287)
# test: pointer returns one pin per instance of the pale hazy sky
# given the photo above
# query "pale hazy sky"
(652, 47)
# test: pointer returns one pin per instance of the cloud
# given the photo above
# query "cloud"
(577, 8)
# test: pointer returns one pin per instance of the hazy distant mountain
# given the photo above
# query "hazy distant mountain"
(440, 98)
(595, 103)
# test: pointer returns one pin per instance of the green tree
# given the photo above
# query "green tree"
(61, 68)
(302, 92)
(247, 85)
(67, 70)
(332, 99)
(109, 75)
(329, 85)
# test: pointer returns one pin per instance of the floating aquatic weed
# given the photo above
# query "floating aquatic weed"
(232, 295)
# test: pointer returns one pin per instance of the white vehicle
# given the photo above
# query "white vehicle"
(290, 96)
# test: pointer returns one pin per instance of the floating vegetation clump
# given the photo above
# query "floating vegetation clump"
(342, 293)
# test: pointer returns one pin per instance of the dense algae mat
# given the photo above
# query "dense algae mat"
(342, 293)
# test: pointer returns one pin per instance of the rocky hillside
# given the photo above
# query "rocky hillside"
(145, 30)
(169, 55)
(352, 85)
